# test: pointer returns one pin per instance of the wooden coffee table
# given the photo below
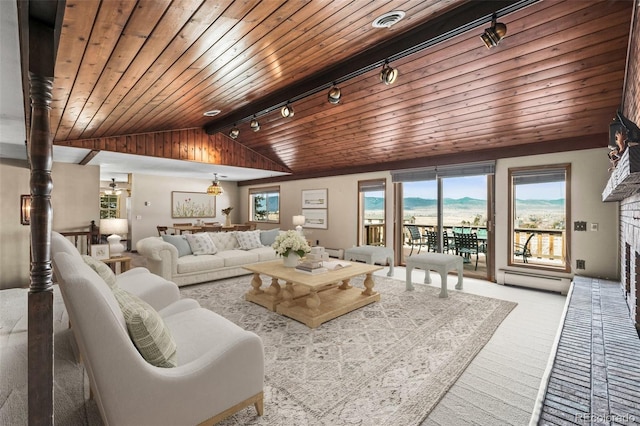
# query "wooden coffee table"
(311, 299)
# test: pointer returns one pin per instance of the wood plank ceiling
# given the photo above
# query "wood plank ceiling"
(129, 67)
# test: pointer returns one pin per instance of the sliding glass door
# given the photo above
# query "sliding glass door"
(450, 209)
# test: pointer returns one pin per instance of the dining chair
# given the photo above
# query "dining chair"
(183, 224)
(212, 228)
(163, 230)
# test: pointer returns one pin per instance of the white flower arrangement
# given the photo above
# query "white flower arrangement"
(291, 242)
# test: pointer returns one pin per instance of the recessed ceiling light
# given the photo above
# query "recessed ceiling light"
(212, 113)
(388, 19)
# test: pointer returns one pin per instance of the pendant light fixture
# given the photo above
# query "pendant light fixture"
(215, 189)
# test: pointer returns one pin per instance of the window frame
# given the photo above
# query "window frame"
(263, 191)
(365, 186)
(531, 171)
(109, 209)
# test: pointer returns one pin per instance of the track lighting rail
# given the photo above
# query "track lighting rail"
(455, 22)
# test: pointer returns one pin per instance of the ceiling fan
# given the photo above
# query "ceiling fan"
(114, 188)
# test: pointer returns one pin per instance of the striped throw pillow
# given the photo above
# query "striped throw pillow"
(147, 329)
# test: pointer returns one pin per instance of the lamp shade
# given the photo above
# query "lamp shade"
(114, 226)
(298, 220)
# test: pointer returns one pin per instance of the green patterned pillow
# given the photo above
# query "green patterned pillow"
(101, 269)
(147, 330)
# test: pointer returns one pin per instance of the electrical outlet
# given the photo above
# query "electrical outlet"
(579, 226)
(580, 264)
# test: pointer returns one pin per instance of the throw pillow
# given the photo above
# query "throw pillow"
(248, 239)
(101, 269)
(147, 329)
(180, 242)
(201, 243)
(267, 238)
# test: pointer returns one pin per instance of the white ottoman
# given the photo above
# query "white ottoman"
(439, 262)
(371, 255)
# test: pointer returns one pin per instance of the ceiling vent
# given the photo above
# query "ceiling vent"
(388, 19)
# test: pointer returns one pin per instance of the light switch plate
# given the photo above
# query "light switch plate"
(594, 227)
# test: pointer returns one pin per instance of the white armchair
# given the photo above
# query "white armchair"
(220, 366)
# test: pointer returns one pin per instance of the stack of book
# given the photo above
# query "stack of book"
(312, 263)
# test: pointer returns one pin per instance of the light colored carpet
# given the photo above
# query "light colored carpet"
(387, 363)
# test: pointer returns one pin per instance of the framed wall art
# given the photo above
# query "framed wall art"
(192, 205)
(315, 218)
(100, 251)
(314, 198)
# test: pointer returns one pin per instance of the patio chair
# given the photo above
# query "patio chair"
(523, 250)
(448, 243)
(415, 239)
(467, 245)
(432, 240)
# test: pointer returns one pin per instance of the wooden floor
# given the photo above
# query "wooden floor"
(595, 378)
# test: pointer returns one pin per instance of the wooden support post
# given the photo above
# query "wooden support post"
(40, 299)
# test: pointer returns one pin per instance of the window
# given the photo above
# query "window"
(539, 206)
(109, 206)
(372, 212)
(264, 205)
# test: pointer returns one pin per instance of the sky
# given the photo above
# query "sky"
(476, 187)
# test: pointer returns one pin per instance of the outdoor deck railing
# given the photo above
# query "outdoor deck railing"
(546, 244)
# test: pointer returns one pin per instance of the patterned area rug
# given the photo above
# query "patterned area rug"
(388, 363)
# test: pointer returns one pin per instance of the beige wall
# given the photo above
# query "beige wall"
(74, 199)
(151, 202)
(589, 176)
(342, 212)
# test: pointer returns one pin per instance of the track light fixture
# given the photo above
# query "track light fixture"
(233, 134)
(492, 36)
(388, 74)
(334, 95)
(287, 111)
(255, 126)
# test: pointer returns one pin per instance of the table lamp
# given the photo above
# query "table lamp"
(298, 221)
(115, 227)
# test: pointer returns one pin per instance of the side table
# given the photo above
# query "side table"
(123, 261)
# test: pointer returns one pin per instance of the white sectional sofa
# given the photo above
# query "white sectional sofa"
(216, 368)
(173, 258)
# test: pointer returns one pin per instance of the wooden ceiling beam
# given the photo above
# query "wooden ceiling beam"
(440, 29)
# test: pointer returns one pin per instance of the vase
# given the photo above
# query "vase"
(290, 261)
(227, 221)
